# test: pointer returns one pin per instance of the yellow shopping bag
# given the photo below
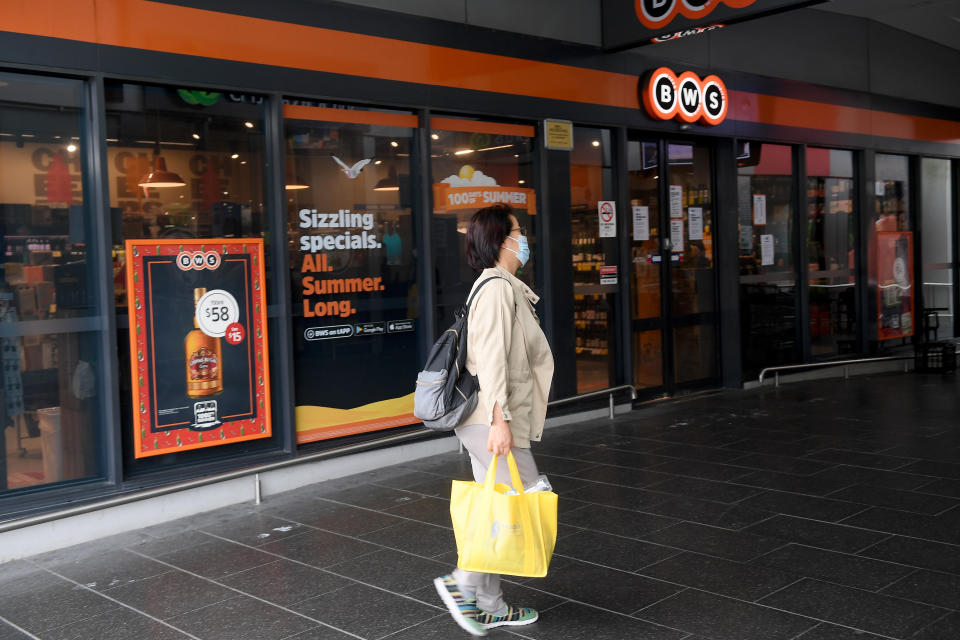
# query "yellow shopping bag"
(499, 533)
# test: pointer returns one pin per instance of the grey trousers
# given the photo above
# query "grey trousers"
(474, 438)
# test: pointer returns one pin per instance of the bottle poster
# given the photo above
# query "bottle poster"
(895, 302)
(198, 343)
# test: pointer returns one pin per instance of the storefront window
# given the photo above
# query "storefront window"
(594, 251)
(768, 277)
(353, 269)
(475, 164)
(937, 227)
(49, 412)
(891, 250)
(831, 253)
(188, 165)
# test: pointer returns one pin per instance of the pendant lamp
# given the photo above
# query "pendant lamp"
(159, 177)
(294, 182)
(390, 183)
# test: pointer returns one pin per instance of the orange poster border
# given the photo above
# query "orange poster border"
(349, 116)
(256, 248)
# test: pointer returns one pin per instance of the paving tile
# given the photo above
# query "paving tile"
(720, 618)
(157, 547)
(38, 611)
(601, 586)
(9, 633)
(22, 577)
(119, 624)
(612, 551)
(732, 545)
(698, 469)
(170, 594)
(414, 537)
(946, 628)
(618, 496)
(809, 485)
(704, 489)
(242, 617)
(854, 608)
(344, 518)
(573, 621)
(793, 504)
(817, 534)
(429, 510)
(392, 570)
(551, 465)
(380, 495)
(857, 459)
(256, 529)
(859, 475)
(906, 524)
(917, 553)
(630, 524)
(322, 632)
(440, 627)
(734, 579)
(782, 464)
(915, 502)
(629, 459)
(319, 548)
(284, 582)
(827, 631)
(950, 488)
(697, 452)
(716, 514)
(830, 566)
(636, 478)
(216, 559)
(931, 468)
(367, 612)
(930, 587)
(108, 570)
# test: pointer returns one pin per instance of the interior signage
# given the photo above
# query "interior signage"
(685, 97)
(633, 23)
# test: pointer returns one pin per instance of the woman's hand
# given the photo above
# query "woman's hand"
(500, 440)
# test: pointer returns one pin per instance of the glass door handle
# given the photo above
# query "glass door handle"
(666, 245)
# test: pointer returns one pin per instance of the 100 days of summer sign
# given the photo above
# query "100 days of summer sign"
(198, 343)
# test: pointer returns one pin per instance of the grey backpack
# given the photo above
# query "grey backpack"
(446, 392)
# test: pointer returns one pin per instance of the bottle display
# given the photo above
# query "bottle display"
(204, 375)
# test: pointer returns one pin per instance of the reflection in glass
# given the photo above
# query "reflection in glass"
(646, 262)
(353, 266)
(937, 229)
(831, 254)
(768, 301)
(49, 411)
(591, 180)
(469, 171)
(692, 280)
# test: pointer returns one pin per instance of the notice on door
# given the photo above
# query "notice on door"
(676, 201)
(766, 249)
(608, 274)
(607, 213)
(759, 209)
(641, 223)
(695, 217)
(676, 236)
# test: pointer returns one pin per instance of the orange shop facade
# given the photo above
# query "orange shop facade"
(228, 242)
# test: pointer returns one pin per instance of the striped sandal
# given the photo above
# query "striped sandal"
(514, 617)
(463, 610)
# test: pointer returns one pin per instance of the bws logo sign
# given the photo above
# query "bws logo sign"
(685, 97)
(657, 14)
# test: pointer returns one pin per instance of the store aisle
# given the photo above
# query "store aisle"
(820, 511)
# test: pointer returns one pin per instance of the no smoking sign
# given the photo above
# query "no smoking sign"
(607, 213)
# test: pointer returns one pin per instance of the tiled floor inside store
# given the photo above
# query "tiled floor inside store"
(822, 510)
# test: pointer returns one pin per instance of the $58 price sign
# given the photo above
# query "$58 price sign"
(218, 316)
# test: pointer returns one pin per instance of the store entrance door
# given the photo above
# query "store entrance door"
(673, 266)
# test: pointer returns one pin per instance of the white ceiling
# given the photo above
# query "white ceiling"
(937, 20)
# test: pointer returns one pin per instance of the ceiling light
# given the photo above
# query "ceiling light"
(595, 143)
(196, 136)
(243, 162)
(502, 146)
(160, 178)
(394, 143)
(377, 161)
(390, 183)
(435, 136)
(71, 148)
(521, 182)
(235, 156)
(248, 125)
(462, 152)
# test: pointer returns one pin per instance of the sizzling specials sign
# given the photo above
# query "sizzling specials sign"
(685, 97)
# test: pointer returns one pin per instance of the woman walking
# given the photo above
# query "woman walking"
(509, 354)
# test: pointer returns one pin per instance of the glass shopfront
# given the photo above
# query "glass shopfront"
(768, 270)
(939, 264)
(51, 423)
(831, 252)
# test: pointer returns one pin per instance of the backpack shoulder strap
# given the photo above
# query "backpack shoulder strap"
(478, 287)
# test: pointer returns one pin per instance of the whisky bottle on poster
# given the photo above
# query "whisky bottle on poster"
(203, 359)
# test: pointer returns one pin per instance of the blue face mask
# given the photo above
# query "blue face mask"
(523, 255)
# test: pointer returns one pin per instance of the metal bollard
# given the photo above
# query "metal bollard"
(256, 488)
(611, 407)
(776, 378)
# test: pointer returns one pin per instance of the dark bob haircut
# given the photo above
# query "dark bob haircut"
(488, 228)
